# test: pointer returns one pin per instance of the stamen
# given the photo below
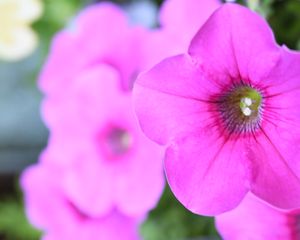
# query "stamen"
(119, 141)
(241, 109)
(247, 111)
(244, 105)
(115, 142)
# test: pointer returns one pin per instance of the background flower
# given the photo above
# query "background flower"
(107, 163)
(17, 39)
(51, 210)
(103, 146)
(183, 19)
(86, 34)
(178, 22)
(255, 219)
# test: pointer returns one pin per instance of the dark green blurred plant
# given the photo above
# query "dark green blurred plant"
(171, 221)
(57, 14)
(285, 21)
(13, 222)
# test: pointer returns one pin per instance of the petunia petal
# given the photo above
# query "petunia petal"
(85, 101)
(44, 212)
(94, 48)
(255, 219)
(173, 98)
(184, 18)
(274, 156)
(141, 175)
(226, 44)
(114, 226)
(56, 75)
(81, 184)
(208, 174)
(276, 149)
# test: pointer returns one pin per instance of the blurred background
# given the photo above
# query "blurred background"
(23, 135)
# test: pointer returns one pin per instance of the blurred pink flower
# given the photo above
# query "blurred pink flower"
(93, 130)
(228, 112)
(100, 34)
(183, 19)
(51, 210)
(254, 219)
(95, 136)
(179, 21)
(106, 167)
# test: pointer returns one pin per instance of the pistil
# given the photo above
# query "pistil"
(241, 108)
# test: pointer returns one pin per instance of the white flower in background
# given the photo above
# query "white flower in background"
(17, 39)
(253, 4)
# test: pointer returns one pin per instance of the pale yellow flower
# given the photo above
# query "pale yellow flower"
(17, 39)
(253, 4)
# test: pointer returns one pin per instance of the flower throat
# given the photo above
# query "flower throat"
(241, 109)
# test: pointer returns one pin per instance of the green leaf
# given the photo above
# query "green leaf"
(170, 220)
(13, 222)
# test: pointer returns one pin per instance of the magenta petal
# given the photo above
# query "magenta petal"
(85, 101)
(92, 26)
(54, 235)
(90, 186)
(255, 219)
(55, 75)
(226, 44)
(168, 98)
(282, 84)
(207, 174)
(114, 226)
(276, 152)
(167, 44)
(87, 35)
(184, 18)
(44, 212)
(141, 182)
(275, 157)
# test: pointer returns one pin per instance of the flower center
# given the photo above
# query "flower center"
(114, 141)
(241, 109)
(118, 141)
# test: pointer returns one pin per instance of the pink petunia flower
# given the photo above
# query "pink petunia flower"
(105, 160)
(94, 132)
(254, 219)
(95, 136)
(100, 34)
(228, 112)
(51, 210)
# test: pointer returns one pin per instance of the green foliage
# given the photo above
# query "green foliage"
(263, 7)
(171, 221)
(57, 14)
(13, 222)
(285, 22)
